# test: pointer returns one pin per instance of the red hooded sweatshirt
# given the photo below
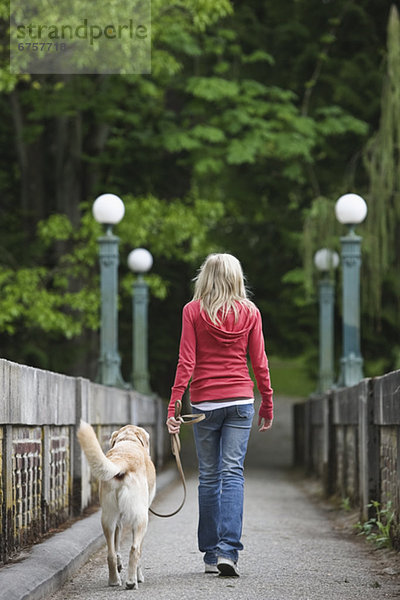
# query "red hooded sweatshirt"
(215, 356)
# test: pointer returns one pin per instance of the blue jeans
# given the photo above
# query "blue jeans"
(221, 445)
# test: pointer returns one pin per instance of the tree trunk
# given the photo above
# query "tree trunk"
(30, 159)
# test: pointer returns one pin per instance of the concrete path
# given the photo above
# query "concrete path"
(293, 551)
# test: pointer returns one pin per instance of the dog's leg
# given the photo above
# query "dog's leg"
(140, 576)
(109, 533)
(118, 531)
(134, 570)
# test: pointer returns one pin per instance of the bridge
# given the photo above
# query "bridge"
(296, 545)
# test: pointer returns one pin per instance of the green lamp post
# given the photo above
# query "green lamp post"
(109, 209)
(351, 210)
(140, 261)
(326, 261)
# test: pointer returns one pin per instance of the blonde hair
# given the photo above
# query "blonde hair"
(220, 286)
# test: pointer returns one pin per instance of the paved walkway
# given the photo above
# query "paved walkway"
(291, 553)
(292, 549)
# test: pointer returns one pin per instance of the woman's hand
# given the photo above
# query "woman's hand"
(264, 424)
(173, 425)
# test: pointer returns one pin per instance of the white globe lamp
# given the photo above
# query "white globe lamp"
(351, 209)
(326, 259)
(140, 260)
(108, 209)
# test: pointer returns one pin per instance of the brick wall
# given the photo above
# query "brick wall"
(317, 458)
(2, 507)
(358, 442)
(350, 488)
(27, 462)
(59, 499)
(389, 465)
(44, 477)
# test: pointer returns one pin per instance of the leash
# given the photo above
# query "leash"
(176, 449)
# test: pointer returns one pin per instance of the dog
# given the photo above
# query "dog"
(127, 488)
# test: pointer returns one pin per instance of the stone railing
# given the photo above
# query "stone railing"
(350, 439)
(44, 478)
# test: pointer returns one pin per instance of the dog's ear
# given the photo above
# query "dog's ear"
(113, 438)
(143, 437)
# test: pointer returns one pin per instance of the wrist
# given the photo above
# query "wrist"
(267, 415)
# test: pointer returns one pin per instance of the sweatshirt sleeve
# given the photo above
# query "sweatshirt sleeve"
(186, 361)
(259, 363)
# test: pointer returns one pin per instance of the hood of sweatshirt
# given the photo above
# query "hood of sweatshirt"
(229, 330)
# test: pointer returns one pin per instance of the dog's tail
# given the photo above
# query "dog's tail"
(101, 466)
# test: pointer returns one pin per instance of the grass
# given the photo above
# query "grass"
(289, 377)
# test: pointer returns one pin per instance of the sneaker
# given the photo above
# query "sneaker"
(211, 568)
(227, 568)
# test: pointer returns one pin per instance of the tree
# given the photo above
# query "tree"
(248, 121)
(378, 181)
(382, 161)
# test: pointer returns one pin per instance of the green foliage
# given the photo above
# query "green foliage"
(333, 120)
(345, 504)
(320, 230)
(177, 229)
(258, 56)
(28, 299)
(382, 159)
(377, 529)
(63, 297)
(55, 228)
(212, 89)
(248, 128)
(380, 189)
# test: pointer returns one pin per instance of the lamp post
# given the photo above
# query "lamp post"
(140, 261)
(351, 210)
(326, 261)
(109, 209)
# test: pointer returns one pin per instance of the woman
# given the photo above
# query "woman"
(219, 327)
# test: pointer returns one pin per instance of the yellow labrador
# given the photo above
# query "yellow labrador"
(127, 487)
